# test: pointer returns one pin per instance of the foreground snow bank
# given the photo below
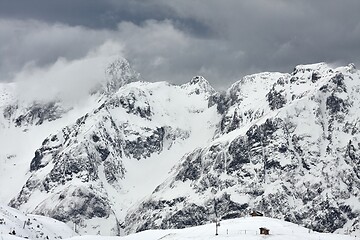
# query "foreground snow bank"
(30, 226)
(241, 228)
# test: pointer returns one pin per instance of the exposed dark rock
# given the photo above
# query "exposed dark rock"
(239, 151)
(225, 208)
(190, 168)
(36, 161)
(276, 99)
(143, 147)
(191, 215)
(221, 100)
(339, 82)
(129, 103)
(328, 218)
(315, 76)
(104, 152)
(335, 104)
(95, 138)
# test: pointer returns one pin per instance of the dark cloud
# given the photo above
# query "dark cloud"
(279, 31)
(174, 40)
(89, 13)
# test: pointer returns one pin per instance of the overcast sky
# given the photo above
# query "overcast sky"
(173, 40)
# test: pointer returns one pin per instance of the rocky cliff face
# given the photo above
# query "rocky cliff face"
(155, 155)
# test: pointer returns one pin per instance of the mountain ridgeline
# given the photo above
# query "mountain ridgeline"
(158, 156)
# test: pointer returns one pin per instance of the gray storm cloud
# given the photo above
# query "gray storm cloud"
(174, 40)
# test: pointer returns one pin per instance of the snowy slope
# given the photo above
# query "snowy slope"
(241, 228)
(31, 226)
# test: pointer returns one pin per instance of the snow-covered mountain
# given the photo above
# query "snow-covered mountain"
(26, 122)
(139, 155)
(91, 171)
(287, 145)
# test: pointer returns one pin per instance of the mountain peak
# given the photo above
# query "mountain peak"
(118, 73)
(198, 85)
(198, 80)
(351, 68)
(321, 67)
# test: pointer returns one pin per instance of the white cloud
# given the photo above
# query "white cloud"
(42, 44)
(69, 80)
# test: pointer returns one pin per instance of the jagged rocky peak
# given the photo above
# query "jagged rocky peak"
(351, 68)
(199, 85)
(198, 79)
(118, 73)
(313, 72)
